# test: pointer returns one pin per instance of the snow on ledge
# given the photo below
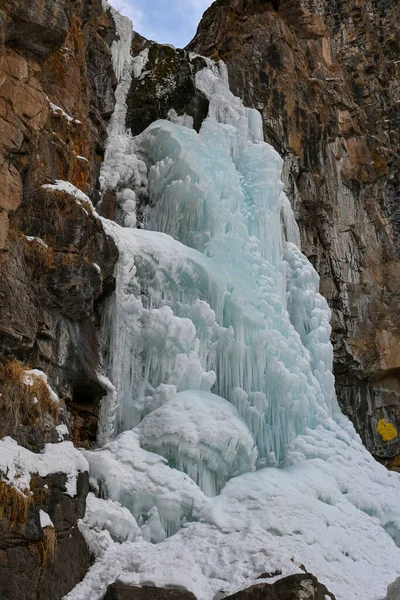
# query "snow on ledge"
(66, 186)
(45, 520)
(60, 111)
(17, 464)
(29, 380)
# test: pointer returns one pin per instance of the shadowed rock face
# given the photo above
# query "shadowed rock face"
(325, 77)
(294, 587)
(393, 591)
(27, 568)
(168, 81)
(119, 591)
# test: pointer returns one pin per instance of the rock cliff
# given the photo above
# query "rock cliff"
(56, 96)
(325, 76)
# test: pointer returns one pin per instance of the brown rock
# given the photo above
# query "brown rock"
(3, 229)
(49, 285)
(119, 591)
(27, 568)
(294, 587)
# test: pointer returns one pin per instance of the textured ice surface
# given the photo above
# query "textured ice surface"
(143, 482)
(202, 435)
(213, 313)
(121, 47)
(215, 307)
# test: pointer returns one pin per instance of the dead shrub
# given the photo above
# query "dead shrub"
(14, 504)
(49, 545)
(22, 403)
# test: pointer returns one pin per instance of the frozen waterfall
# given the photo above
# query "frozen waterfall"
(220, 431)
(213, 297)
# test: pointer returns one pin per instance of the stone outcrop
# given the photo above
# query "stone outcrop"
(34, 567)
(294, 587)
(168, 82)
(325, 77)
(120, 591)
(56, 264)
(393, 591)
(166, 89)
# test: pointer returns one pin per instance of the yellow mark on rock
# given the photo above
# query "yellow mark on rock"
(386, 430)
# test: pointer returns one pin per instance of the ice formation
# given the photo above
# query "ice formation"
(220, 432)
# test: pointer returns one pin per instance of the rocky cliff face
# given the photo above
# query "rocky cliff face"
(325, 76)
(56, 96)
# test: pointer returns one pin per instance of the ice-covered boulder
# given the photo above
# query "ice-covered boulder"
(202, 435)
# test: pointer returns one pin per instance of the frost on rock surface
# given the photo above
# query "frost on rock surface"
(220, 432)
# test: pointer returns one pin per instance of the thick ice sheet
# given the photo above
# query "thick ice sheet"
(202, 435)
(160, 498)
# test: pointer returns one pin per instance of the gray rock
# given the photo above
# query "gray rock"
(294, 587)
(393, 591)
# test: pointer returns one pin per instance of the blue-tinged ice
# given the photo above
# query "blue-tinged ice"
(227, 305)
(202, 435)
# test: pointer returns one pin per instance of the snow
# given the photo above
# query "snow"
(220, 432)
(144, 483)
(111, 516)
(62, 431)
(39, 240)
(45, 520)
(139, 63)
(60, 111)
(32, 374)
(17, 464)
(65, 186)
(315, 513)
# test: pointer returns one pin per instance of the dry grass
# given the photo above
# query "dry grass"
(22, 404)
(38, 252)
(49, 545)
(14, 504)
